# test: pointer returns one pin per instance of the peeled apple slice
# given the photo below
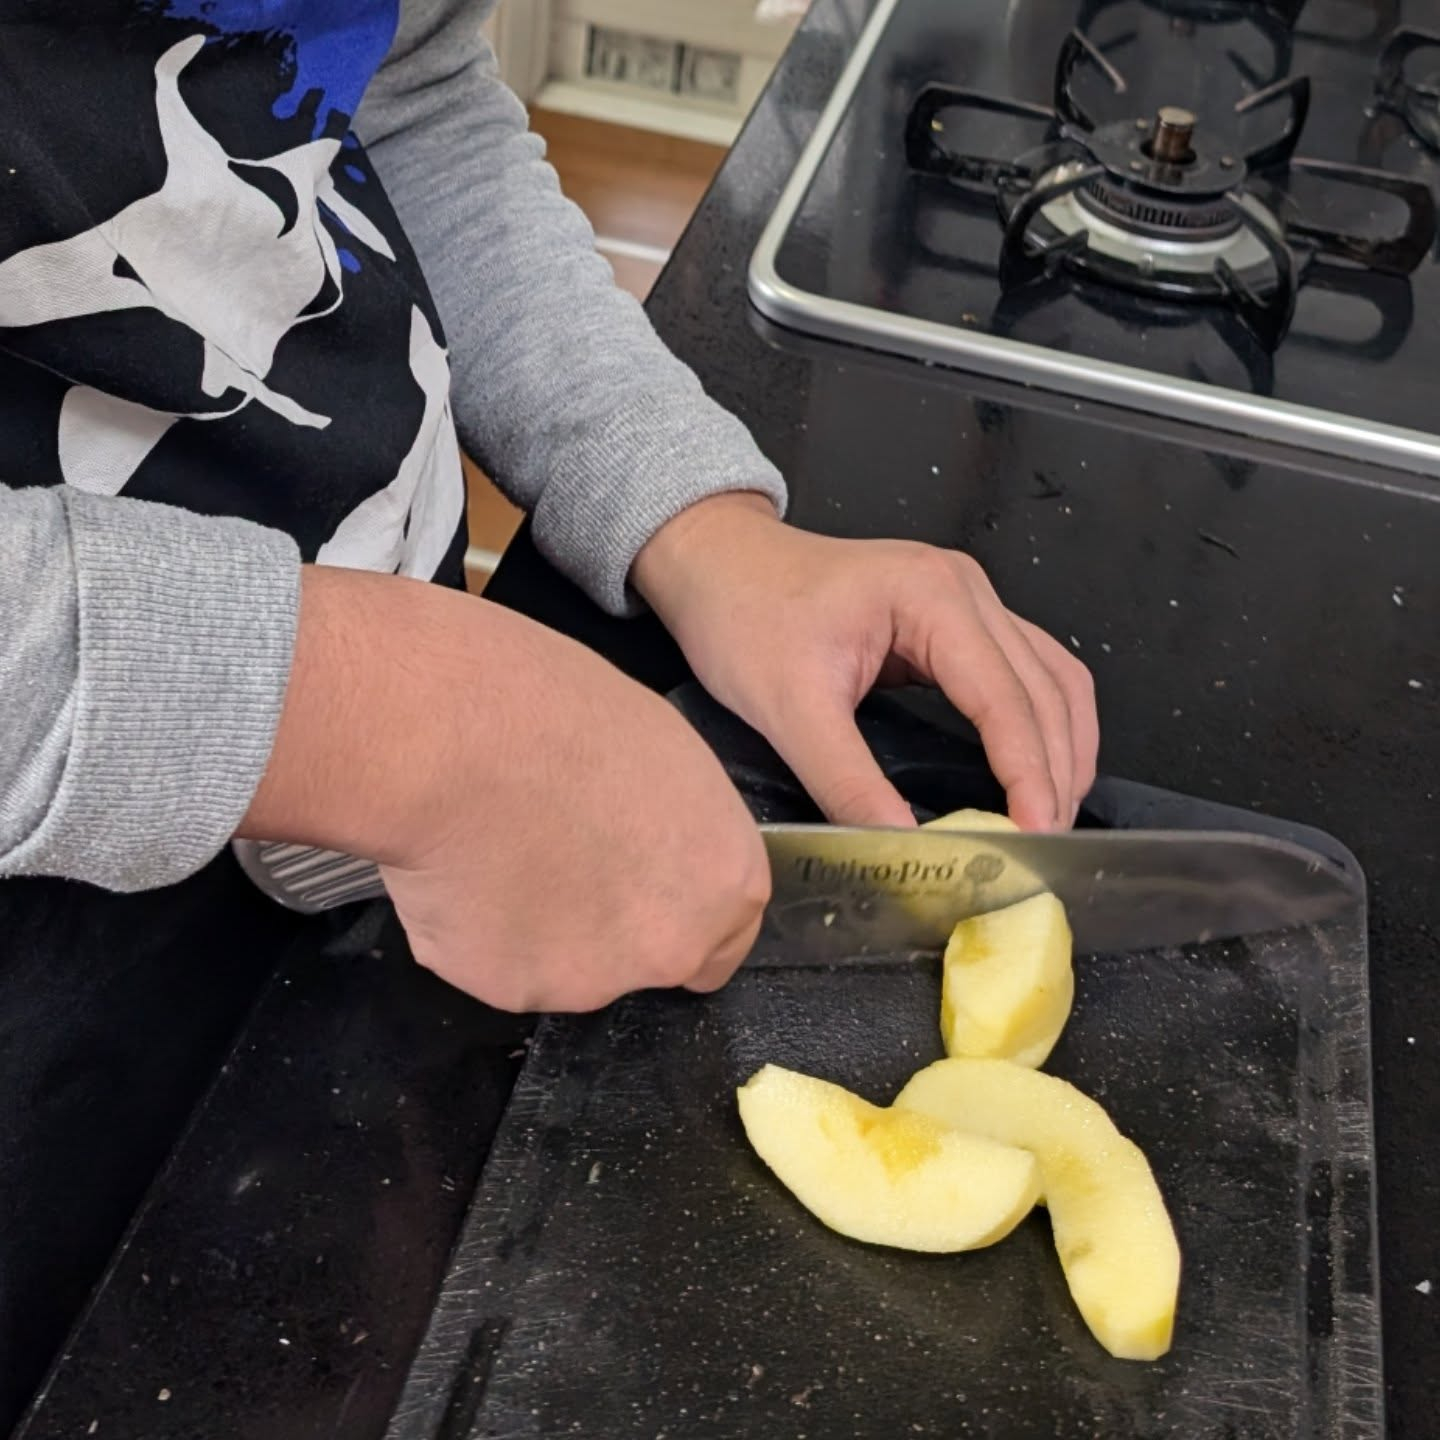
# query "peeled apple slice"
(971, 820)
(884, 1176)
(1115, 1240)
(1016, 881)
(1008, 983)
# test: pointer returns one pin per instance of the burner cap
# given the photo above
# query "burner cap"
(1169, 155)
(1163, 179)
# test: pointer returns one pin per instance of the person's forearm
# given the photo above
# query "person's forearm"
(383, 669)
(563, 391)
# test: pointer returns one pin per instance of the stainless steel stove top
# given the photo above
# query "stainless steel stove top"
(1221, 211)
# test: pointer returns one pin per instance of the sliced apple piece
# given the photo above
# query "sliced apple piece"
(971, 820)
(1004, 880)
(884, 1176)
(1114, 1236)
(1008, 983)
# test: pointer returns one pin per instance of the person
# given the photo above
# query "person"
(264, 270)
(214, 307)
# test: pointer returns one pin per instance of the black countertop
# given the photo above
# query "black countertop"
(1264, 628)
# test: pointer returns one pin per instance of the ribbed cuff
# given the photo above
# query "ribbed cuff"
(186, 633)
(640, 469)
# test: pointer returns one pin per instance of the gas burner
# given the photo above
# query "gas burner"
(1416, 101)
(1164, 248)
(1160, 181)
(1149, 205)
(1158, 205)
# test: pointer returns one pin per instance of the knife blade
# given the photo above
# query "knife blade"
(846, 892)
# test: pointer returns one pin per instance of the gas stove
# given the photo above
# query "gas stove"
(1221, 211)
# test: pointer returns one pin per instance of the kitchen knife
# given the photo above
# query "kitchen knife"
(848, 892)
(842, 892)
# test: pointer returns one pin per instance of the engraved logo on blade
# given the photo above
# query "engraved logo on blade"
(817, 871)
(838, 896)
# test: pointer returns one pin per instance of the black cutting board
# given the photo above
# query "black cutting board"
(629, 1268)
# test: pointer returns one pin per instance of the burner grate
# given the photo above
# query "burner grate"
(1417, 101)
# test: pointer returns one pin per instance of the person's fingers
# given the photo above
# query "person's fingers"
(1078, 685)
(740, 872)
(955, 647)
(965, 660)
(819, 741)
(1047, 699)
(726, 959)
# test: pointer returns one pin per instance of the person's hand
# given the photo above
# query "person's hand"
(552, 834)
(791, 630)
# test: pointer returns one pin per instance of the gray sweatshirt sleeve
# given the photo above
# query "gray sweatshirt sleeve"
(144, 654)
(562, 389)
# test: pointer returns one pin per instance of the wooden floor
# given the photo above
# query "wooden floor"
(638, 190)
(635, 186)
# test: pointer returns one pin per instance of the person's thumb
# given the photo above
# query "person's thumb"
(831, 759)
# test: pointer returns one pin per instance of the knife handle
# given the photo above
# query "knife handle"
(308, 879)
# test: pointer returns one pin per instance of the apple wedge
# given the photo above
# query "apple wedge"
(971, 820)
(884, 1176)
(1008, 983)
(1114, 1236)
